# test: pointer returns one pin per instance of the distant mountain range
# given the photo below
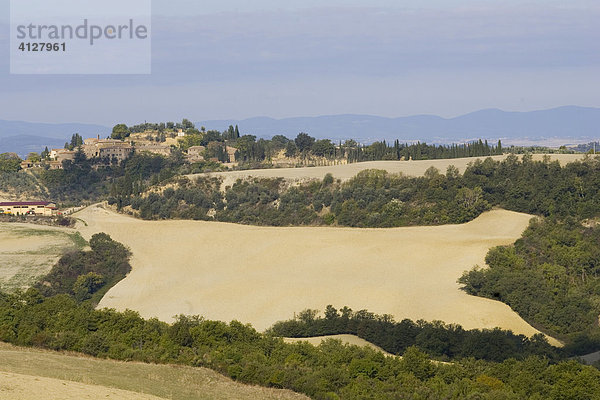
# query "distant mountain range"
(567, 124)
(24, 137)
(25, 144)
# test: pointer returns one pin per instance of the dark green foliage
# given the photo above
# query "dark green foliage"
(291, 149)
(22, 184)
(190, 200)
(372, 199)
(77, 181)
(9, 162)
(76, 141)
(376, 198)
(442, 341)
(331, 370)
(418, 151)
(92, 180)
(120, 132)
(550, 275)
(88, 274)
(323, 148)
(304, 142)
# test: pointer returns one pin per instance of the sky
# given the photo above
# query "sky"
(240, 59)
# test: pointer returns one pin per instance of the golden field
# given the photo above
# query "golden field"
(347, 171)
(261, 275)
(28, 252)
(29, 374)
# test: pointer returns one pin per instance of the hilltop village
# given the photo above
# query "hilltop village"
(123, 143)
(159, 196)
(233, 150)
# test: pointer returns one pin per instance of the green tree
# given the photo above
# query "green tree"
(120, 132)
(279, 142)
(417, 363)
(34, 157)
(323, 148)
(304, 142)
(86, 285)
(9, 162)
(187, 124)
(291, 149)
(76, 141)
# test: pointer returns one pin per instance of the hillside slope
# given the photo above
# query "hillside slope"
(261, 275)
(347, 171)
(25, 373)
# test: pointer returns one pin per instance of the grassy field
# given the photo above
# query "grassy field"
(27, 252)
(49, 372)
(261, 275)
(347, 171)
(346, 339)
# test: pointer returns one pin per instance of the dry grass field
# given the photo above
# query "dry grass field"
(347, 171)
(261, 275)
(346, 339)
(29, 374)
(26, 387)
(27, 252)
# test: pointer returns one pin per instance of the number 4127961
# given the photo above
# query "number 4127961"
(43, 47)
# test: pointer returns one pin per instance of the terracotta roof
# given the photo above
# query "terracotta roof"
(24, 203)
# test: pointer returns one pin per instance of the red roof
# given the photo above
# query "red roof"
(24, 203)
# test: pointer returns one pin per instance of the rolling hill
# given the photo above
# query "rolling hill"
(23, 137)
(25, 373)
(568, 122)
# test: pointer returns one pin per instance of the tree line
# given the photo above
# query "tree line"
(550, 276)
(59, 314)
(444, 342)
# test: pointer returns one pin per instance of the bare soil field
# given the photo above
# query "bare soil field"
(27, 252)
(26, 387)
(347, 171)
(261, 275)
(346, 339)
(30, 374)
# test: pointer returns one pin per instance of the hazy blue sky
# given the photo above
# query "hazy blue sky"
(238, 59)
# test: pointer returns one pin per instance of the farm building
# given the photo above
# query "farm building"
(195, 153)
(28, 207)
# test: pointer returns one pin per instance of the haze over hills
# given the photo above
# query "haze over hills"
(25, 144)
(569, 124)
(56, 131)
(23, 137)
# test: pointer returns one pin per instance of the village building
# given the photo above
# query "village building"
(110, 149)
(61, 155)
(231, 154)
(28, 208)
(159, 149)
(54, 165)
(195, 153)
(26, 164)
